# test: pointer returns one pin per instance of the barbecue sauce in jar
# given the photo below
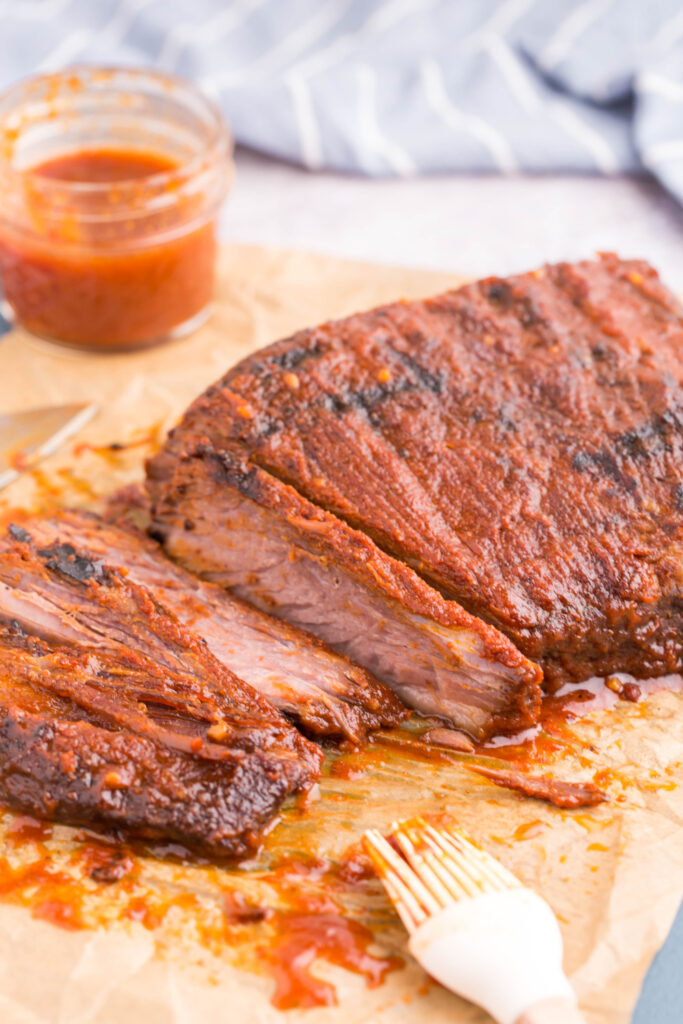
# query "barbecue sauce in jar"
(107, 229)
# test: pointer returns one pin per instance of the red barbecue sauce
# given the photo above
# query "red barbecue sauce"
(321, 934)
(107, 295)
(101, 882)
(314, 928)
(104, 165)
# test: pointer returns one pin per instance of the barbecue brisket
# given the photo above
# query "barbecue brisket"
(517, 443)
(324, 692)
(240, 527)
(113, 713)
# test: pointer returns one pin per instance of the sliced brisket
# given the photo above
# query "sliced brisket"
(236, 525)
(517, 442)
(323, 691)
(113, 713)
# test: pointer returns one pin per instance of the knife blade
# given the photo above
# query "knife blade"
(29, 436)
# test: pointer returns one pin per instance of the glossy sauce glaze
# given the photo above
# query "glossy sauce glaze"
(88, 286)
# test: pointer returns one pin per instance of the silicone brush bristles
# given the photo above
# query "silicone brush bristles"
(434, 869)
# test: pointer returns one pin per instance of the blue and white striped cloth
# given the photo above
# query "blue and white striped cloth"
(400, 87)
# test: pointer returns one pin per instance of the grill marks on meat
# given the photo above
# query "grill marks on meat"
(518, 443)
(112, 713)
(324, 692)
(237, 525)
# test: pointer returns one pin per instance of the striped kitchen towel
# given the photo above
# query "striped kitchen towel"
(400, 87)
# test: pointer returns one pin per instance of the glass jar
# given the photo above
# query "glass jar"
(110, 184)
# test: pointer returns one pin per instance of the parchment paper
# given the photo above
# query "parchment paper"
(614, 875)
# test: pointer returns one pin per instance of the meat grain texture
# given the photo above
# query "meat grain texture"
(325, 693)
(452, 490)
(113, 713)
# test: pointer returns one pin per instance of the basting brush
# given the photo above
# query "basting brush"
(473, 926)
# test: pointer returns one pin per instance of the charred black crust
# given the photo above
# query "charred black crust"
(229, 469)
(64, 558)
(427, 379)
(657, 436)
(366, 399)
(651, 438)
(505, 417)
(292, 357)
(603, 463)
(18, 533)
(499, 291)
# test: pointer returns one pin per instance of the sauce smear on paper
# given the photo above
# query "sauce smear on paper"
(321, 934)
(100, 881)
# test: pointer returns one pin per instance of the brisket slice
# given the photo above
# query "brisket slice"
(62, 761)
(323, 691)
(112, 713)
(518, 442)
(238, 526)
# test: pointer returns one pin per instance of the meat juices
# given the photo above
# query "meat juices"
(515, 447)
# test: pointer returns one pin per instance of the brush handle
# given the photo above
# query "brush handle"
(553, 1011)
(502, 950)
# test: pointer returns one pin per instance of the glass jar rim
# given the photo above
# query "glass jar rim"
(218, 146)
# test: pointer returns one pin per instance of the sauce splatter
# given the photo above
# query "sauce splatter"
(348, 768)
(48, 893)
(285, 915)
(300, 918)
(529, 830)
(302, 938)
(23, 827)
